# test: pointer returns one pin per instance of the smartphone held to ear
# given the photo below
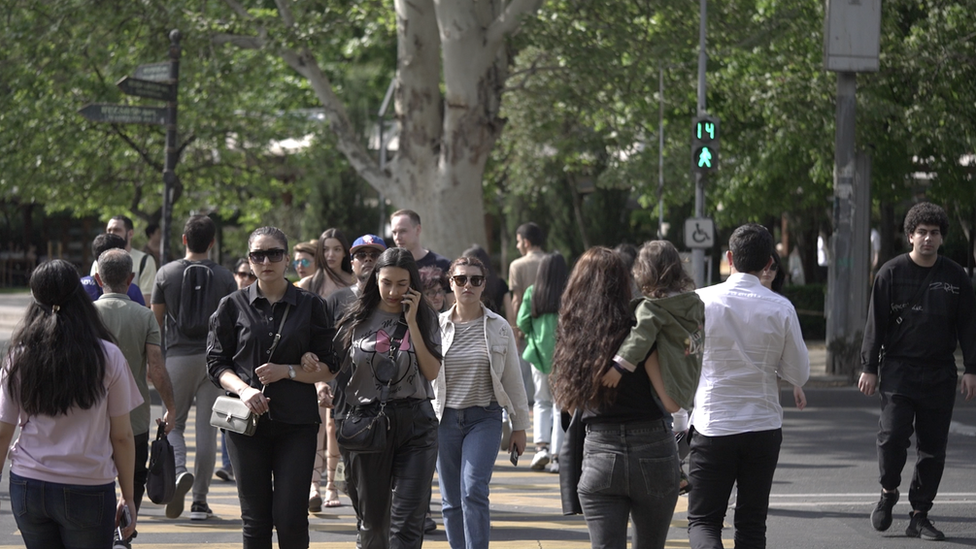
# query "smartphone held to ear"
(514, 457)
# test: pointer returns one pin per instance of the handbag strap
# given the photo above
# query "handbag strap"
(915, 299)
(277, 337)
(395, 341)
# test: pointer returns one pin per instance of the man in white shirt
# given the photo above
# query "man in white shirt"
(752, 336)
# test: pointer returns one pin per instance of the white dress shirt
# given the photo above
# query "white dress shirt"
(751, 336)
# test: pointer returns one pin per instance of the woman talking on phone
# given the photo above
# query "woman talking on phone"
(392, 347)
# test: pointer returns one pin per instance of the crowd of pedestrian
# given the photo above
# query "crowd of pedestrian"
(396, 362)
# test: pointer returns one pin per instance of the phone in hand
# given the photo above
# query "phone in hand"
(124, 521)
(514, 457)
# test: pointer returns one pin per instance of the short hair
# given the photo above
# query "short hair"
(199, 231)
(125, 221)
(151, 228)
(306, 247)
(106, 241)
(751, 246)
(658, 270)
(533, 233)
(414, 216)
(926, 213)
(432, 277)
(114, 268)
(273, 232)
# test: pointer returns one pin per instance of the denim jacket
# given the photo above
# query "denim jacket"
(506, 374)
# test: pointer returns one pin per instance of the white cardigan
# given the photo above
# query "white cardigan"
(506, 373)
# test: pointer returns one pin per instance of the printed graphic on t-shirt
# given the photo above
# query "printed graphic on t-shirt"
(374, 349)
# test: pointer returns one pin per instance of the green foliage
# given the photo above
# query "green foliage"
(809, 303)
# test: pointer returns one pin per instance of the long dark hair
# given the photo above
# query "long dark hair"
(369, 299)
(492, 283)
(318, 279)
(658, 270)
(56, 361)
(594, 319)
(549, 284)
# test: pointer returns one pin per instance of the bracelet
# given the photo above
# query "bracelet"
(619, 368)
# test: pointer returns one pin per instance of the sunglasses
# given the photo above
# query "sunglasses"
(245, 274)
(273, 255)
(461, 280)
(361, 256)
(303, 262)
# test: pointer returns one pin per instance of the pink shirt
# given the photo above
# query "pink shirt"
(74, 448)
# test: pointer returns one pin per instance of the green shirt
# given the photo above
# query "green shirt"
(133, 326)
(540, 334)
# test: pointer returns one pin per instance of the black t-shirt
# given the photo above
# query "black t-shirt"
(928, 334)
(434, 259)
(241, 333)
(634, 402)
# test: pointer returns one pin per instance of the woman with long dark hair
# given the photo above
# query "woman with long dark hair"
(269, 344)
(393, 485)
(70, 390)
(537, 318)
(481, 376)
(625, 428)
(334, 271)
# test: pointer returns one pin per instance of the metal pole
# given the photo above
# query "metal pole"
(660, 155)
(698, 254)
(172, 154)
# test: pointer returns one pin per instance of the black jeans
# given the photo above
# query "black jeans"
(919, 400)
(142, 468)
(273, 469)
(715, 463)
(393, 487)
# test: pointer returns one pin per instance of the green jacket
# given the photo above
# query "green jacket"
(677, 325)
(540, 334)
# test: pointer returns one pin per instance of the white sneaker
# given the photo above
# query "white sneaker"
(553, 467)
(540, 459)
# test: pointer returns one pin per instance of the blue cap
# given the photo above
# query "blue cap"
(368, 241)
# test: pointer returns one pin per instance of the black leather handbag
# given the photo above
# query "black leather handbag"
(161, 480)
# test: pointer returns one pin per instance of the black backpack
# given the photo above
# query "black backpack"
(198, 300)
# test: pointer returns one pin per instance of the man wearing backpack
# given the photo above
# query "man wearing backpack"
(186, 292)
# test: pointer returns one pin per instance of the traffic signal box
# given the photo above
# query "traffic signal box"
(704, 144)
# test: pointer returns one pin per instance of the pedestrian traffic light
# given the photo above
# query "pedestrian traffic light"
(704, 144)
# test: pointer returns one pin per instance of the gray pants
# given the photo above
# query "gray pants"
(189, 377)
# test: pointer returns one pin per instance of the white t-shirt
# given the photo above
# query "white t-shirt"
(74, 448)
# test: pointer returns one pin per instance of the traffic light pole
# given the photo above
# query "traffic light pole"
(697, 254)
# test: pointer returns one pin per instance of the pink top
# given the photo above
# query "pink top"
(74, 448)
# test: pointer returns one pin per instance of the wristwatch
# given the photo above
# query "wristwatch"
(291, 372)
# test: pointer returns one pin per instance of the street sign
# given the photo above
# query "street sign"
(157, 72)
(124, 114)
(699, 232)
(147, 88)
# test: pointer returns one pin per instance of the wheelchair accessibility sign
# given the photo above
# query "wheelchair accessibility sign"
(699, 232)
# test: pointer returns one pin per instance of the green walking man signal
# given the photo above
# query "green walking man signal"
(704, 144)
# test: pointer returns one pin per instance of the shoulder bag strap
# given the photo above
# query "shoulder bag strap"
(395, 341)
(919, 292)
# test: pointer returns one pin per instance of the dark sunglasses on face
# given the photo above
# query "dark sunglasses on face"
(461, 280)
(245, 274)
(303, 262)
(361, 256)
(273, 255)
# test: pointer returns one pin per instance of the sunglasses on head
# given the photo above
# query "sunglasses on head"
(461, 280)
(245, 274)
(303, 262)
(273, 255)
(361, 256)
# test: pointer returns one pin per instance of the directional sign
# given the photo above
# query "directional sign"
(699, 232)
(157, 72)
(147, 88)
(124, 114)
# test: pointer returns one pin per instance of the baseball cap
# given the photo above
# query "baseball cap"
(368, 241)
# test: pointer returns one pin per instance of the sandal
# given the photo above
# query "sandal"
(331, 498)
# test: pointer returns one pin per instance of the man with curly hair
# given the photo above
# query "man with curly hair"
(921, 305)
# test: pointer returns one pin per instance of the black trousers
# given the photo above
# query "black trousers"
(920, 400)
(393, 487)
(715, 463)
(142, 468)
(273, 469)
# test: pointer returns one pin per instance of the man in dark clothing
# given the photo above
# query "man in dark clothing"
(921, 305)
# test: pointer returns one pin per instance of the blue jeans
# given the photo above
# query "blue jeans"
(69, 516)
(468, 445)
(629, 470)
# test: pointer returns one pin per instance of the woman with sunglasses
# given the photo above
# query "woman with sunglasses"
(481, 375)
(304, 262)
(333, 271)
(269, 344)
(393, 486)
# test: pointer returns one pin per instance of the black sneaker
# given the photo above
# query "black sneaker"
(200, 511)
(184, 481)
(921, 527)
(881, 516)
(429, 525)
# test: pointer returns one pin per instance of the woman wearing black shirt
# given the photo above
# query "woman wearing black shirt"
(630, 461)
(273, 467)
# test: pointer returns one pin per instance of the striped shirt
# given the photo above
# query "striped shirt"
(466, 368)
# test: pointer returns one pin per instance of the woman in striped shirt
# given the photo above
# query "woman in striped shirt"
(480, 376)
